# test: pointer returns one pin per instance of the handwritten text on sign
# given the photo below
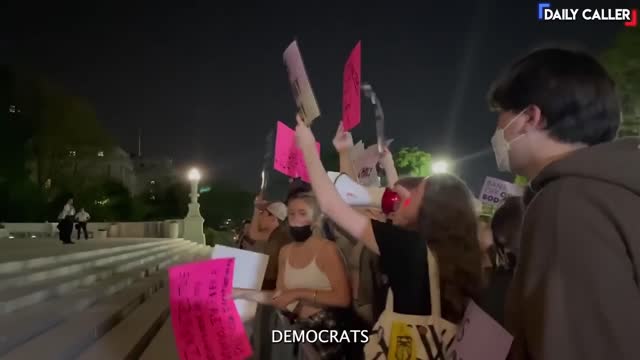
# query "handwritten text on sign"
(351, 90)
(205, 322)
(495, 190)
(288, 158)
(300, 85)
(480, 337)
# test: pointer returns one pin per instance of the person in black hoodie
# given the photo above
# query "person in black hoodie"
(575, 294)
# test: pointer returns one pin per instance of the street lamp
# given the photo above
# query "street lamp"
(440, 167)
(194, 177)
(194, 222)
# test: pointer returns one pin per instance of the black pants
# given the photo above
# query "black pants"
(66, 228)
(82, 226)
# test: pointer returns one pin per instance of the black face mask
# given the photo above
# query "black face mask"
(300, 233)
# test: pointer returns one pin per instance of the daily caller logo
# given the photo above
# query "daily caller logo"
(547, 13)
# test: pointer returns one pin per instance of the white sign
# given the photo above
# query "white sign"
(480, 337)
(365, 164)
(494, 191)
(248, 273)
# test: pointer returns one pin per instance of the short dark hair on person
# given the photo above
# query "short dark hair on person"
(574, 92)
(507, 222)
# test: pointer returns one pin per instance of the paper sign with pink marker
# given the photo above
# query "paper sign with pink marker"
(206, 323)
(288, 158)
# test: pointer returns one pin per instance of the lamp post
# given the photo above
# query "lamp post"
(194, 223)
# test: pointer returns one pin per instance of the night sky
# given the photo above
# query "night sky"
(206, 82)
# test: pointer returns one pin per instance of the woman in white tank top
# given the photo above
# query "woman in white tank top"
(312, 276)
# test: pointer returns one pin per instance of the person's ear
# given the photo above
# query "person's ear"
(535, 120)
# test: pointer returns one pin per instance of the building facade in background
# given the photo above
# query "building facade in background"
(153, 175)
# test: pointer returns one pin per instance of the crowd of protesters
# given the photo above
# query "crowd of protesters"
(558, 267)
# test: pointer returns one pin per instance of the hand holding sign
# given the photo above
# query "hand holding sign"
(343, 140)
(205, 321)
(300, 85)
(351, 103)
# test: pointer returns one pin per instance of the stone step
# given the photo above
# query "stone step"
(70, 267)
(15, 298)
(81, 330)
(163, 345)
(128, 339)
(25, 259)
(93, 312)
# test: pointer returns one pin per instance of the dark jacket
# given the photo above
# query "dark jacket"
(575, 293)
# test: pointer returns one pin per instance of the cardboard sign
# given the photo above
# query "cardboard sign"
(288, 158)
(300, 85)
(365, 165)
(494, 191)
(205, 321)
(250, 268)
(480, 337)
(351, 104)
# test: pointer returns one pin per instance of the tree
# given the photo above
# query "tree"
(413, 162)
(521, 180)
(622, 61)
(107, 200)
(225, 201)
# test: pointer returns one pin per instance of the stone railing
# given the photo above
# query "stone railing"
(146, 229)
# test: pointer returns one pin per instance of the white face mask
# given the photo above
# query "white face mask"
(501, 145)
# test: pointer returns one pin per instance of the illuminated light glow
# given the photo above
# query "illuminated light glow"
(440, 167)
(406, 202)
(194, 175)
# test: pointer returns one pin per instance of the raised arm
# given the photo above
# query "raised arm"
(389, 168)
(343, 143)
(331, 204)
(254, 231)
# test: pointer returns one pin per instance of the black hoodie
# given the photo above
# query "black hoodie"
(575, 293)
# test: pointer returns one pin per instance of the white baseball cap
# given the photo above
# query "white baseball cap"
(278, 209)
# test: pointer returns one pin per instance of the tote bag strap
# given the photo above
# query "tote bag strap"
(434, 284)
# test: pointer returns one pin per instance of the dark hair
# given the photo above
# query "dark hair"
(507, 222)
(410, 182)
(296, 188)
(448, 223)
(575, 94)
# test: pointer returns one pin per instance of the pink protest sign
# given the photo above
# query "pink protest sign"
(288, 158)
(300, 85)
(206, 324)
(480, 337)
(351, 90)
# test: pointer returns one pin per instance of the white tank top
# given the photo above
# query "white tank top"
(308, 277)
